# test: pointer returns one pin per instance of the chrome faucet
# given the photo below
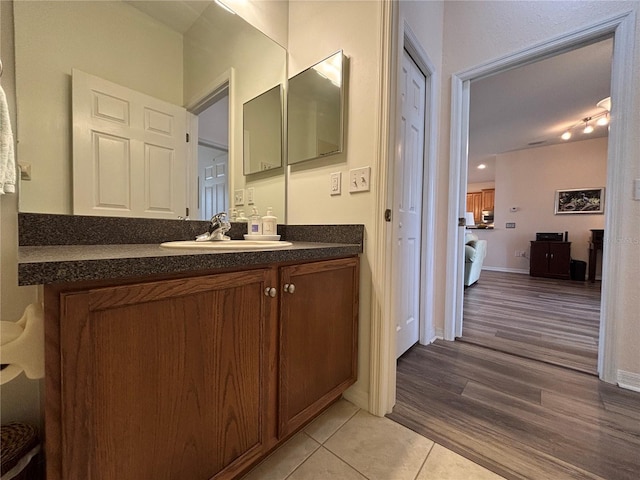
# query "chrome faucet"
(217, 229)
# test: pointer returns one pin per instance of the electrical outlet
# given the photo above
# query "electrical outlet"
(238, 197)
(250, 198)
(359, 179)
(510, 225)
(336, 184)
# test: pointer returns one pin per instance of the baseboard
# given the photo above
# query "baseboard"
(358, 397)
(506, 270)
(629, 380)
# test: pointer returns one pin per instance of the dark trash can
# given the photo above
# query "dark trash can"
(577, 269)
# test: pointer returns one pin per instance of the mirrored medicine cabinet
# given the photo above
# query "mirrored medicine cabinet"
(315, 110)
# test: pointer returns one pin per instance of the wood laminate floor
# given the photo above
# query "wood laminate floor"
(520, 418)
(555, 321)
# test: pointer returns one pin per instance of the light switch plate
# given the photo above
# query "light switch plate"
(510, 225)
(25, 170)
(250, 196)
(335, 187)
(359, 179)
(238, 197)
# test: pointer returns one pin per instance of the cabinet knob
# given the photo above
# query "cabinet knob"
(289, 287)
(270, 292)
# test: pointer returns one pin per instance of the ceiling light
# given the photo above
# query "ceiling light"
(566, 135)
(587, 128)
(482, 166)
(602, 121)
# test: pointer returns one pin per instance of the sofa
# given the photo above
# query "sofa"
(474, 252)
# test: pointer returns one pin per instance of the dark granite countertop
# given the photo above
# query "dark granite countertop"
(74, 263)
(85, 248)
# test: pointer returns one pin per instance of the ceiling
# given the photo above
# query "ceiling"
(535, 104)
(177, 15)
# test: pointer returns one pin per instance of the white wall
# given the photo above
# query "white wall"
(528, 180)
(20, 398)
(477, 32)
(52, 38)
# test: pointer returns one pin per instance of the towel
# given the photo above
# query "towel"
(7, 157)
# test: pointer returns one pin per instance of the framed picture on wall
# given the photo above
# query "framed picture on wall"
(580, 200)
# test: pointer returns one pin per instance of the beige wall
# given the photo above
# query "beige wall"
(528, 180)
(316, 30)
(52, 38)
(514, 26)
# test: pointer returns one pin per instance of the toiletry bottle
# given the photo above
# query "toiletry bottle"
(255, 223)
(269, 223)
(241, 218)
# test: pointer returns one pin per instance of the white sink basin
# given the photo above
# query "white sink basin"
(228, 245)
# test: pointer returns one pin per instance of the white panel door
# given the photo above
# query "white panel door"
(213, 178)
(407, 208)
(129, 151)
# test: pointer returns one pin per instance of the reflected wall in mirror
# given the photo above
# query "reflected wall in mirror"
(175, 51)
(262, 131)
(315, 105)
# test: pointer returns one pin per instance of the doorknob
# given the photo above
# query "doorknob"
(270, 292)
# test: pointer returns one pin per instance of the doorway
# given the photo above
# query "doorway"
(534, 146)
(622, 28)
(210, 154)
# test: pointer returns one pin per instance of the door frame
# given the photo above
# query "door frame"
(199, 103)
(622, 28)
(399, 36)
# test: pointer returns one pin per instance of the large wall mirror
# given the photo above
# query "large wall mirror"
(193, 55)
(315, 121)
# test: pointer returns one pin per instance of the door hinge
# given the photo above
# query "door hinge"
(387, 215)
(462, 222)
(187, 138)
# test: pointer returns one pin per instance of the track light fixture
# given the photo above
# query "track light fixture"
(601, 119)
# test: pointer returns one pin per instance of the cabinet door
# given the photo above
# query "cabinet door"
(166, 380)
(559, 259)
(488, 199)
(539, 262)
(318, 338)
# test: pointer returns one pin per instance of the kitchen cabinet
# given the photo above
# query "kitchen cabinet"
(550, 259)
(318, 338)
(488, 198)
(474, 204)
(186, 377)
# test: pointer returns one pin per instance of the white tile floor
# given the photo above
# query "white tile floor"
(348, 443)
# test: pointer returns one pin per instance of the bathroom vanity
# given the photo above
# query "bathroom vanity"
(195, 373)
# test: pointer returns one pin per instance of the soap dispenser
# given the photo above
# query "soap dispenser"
(255, 223)
(269, 223)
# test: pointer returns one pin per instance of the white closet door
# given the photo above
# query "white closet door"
(129, 151)
(407, 213)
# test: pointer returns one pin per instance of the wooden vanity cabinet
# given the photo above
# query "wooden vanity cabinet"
(318, 338)
(161, 380)
(194, 378)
